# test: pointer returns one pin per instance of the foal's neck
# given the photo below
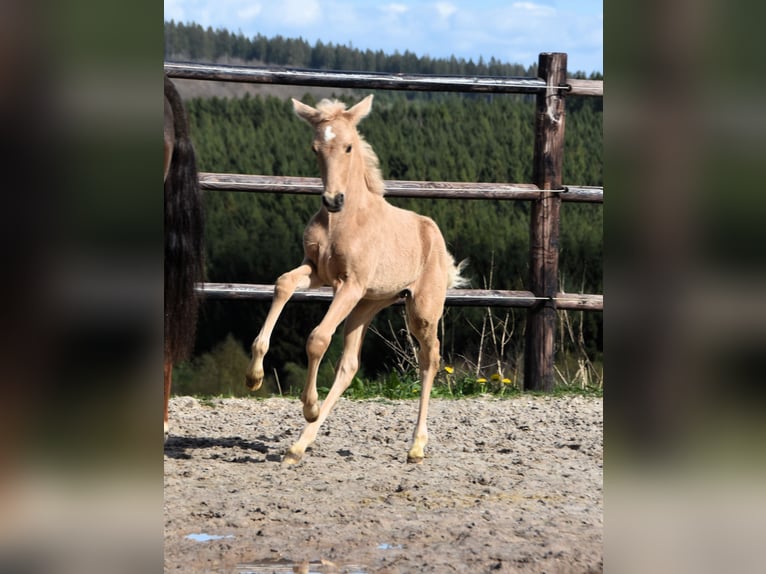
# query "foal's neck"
(363, 196)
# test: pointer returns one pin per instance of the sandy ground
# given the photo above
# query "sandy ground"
(511, 485)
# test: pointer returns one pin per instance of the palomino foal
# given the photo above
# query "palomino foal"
(372, 254)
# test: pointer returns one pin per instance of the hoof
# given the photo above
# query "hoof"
(311, 413)
(291, 457)
(416, 455)
(253, 383)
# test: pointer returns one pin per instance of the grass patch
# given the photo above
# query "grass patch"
(220, 373)
(398, 386)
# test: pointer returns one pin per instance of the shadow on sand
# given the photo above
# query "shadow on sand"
(181, 448)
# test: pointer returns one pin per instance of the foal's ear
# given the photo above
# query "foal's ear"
(305, 112)
(360, 110)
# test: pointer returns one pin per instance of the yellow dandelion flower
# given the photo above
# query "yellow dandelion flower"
(449, 369)
(481, 380)
(495, 377)
(506, 381)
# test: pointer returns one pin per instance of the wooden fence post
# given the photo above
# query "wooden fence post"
(544, 224)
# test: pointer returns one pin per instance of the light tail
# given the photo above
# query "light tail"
(456, 280)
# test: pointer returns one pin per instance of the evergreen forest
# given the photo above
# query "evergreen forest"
(254, 237)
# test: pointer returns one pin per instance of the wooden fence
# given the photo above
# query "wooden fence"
(546, 192)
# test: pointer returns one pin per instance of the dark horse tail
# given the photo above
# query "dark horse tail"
(184, 235)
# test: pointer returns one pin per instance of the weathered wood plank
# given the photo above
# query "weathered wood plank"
(396, 188)
(342, 79)
(579, 302)
(455, 297)
(585, 87)
(375, 80)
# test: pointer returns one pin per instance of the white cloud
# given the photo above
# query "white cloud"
(445, 9)
(249, 12)
(533, 9)
(299, 12)
(394, 9)
(174, 10)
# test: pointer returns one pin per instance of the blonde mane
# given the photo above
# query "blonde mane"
(332, 110)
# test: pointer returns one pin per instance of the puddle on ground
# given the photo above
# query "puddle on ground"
(207, 537)
(287, 567)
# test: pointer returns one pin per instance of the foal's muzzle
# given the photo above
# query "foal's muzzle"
(335, 203)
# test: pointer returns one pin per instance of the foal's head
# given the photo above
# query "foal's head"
(345, 159)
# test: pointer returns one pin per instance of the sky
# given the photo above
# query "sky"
(513, 32)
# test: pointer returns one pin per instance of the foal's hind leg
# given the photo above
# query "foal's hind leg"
(423, 319)
(299, 278)
(347, 296)
(356, 326)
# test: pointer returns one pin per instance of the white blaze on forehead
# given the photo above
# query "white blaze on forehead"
(329, 135)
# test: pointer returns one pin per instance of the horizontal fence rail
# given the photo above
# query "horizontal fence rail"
(455, 297)
(374, 80)
(398, 188)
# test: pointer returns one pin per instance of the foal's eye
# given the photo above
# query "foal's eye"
(348, 149)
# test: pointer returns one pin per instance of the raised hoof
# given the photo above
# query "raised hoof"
(253, 383)
(414, 459)
(311, 413)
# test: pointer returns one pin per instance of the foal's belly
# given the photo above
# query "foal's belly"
(381, 294)
(385, 288)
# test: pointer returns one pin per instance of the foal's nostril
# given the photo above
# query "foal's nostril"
(334, 203)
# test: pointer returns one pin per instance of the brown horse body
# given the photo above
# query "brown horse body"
(184, 235)
(372, 254)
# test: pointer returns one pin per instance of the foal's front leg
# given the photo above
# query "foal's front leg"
(302, 277)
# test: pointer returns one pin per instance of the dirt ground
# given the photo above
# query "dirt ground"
(508, 485)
